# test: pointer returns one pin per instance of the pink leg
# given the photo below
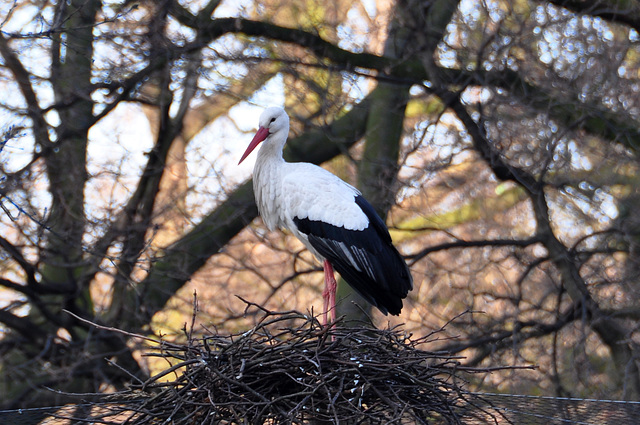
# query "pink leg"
(329, 293)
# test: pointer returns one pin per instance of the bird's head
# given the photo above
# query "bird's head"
(274, 121)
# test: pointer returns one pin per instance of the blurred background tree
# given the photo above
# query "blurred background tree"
(498, 138)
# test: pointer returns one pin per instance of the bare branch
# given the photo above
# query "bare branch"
(40, 126)
(28, 268)
(473, 244)
(625, 12)
(23, 325)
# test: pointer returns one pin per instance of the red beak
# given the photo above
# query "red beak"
(262, 134)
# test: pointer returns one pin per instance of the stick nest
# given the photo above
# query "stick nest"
(290, 369)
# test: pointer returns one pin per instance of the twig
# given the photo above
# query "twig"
(112, 329)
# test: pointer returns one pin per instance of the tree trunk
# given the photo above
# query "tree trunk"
(379, 166)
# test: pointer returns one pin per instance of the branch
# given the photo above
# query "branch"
(612, 332)
(559, 254)
(40, 126)
(506, 338)
(129, 85)
(22, 325)
(219, 103)
(472, 244)
(594, 118)
(211, 29)
(611, 10)
(15, 286)
(17, 256)
(34, 298)
(112, 329)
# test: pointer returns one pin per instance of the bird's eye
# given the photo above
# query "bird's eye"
(272, 120)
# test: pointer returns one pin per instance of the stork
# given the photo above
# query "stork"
(330, 217)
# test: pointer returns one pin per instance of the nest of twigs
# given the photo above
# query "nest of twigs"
(307, 373)
(290, 369)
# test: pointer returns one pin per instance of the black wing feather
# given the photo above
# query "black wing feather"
(366, 258)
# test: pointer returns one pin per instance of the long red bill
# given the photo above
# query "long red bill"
(262, 134)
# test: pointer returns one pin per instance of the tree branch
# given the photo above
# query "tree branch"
(592, 118)
(473, 244)
(40, 126)
(612, 332)
(522, 331)
(28, 268)
(212, 29)
(23, 325)
(625, 12)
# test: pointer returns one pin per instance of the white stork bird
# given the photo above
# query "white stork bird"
(330, 217)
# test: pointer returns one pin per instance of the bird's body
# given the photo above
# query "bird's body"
(330, 217)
